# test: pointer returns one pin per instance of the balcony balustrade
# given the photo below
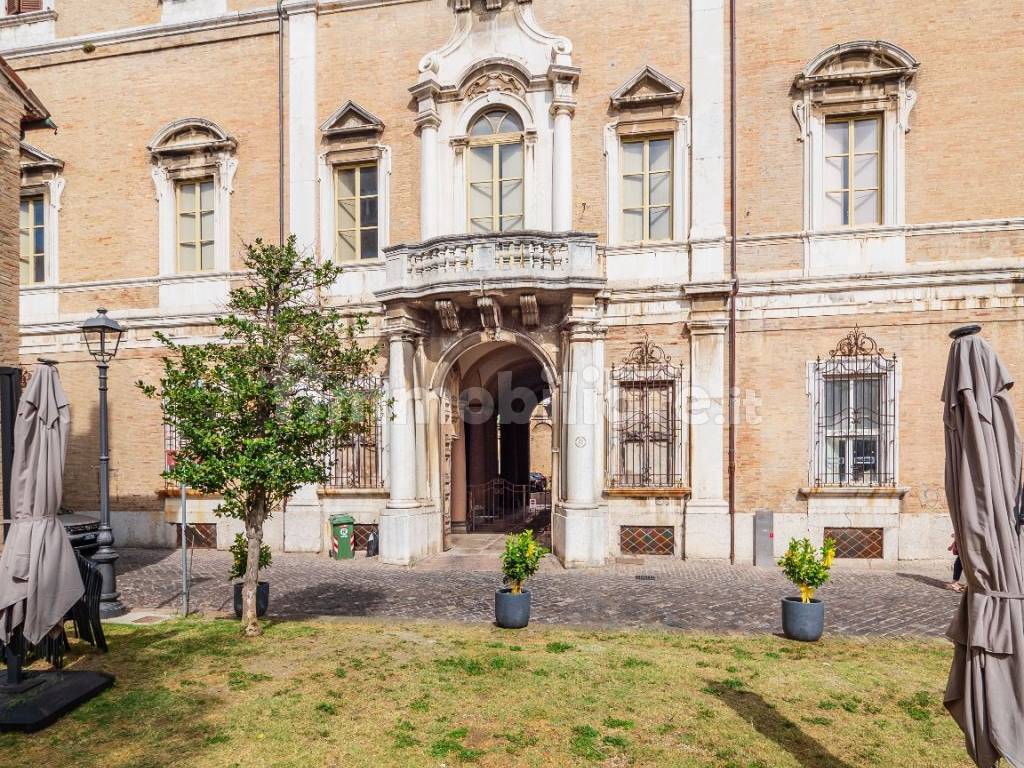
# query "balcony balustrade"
(501, 260)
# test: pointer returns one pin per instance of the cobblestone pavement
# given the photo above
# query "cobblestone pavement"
(660, 592)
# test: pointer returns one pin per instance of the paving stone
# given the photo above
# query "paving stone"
(684, 595)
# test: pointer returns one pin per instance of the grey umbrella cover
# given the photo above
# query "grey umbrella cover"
(985, 691)
(39, 575)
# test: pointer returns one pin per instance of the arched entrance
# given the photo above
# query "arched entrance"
(497, 466)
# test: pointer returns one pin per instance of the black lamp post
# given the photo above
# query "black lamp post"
(103, 337)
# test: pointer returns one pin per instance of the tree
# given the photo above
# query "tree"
(258, 409)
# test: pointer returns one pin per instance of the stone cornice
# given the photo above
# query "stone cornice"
(855, 492)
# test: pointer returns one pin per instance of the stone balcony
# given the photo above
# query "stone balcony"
(502, 261)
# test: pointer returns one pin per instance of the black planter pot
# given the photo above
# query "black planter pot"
(803, 621)
(262, 598)
(511, 611)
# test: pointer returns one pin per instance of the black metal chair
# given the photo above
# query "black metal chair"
(86, 612)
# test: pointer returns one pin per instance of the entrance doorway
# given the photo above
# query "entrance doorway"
(498, 464)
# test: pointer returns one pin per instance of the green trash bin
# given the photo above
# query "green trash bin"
(342, 534)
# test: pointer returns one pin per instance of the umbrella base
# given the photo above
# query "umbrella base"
(9, 689)
(54, 695)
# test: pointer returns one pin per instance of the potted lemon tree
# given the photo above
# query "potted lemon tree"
(519, 562)
(239, 563)
(803, 617)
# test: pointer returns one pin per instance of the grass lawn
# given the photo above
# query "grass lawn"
(194, 693)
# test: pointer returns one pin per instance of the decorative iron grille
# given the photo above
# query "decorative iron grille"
(855, 415)
(356, 461)
(172, 442)
(857, 543)
(361, 535)
(646, 540)
(646, 431)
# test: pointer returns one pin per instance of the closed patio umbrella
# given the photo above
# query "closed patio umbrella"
(39, 575)
(985, 692)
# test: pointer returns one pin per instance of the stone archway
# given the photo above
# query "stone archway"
(489, 391)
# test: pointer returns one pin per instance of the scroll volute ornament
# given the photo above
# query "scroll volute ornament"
(856, 344)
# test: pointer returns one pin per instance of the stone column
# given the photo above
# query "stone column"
(563, 78)
(578, 525)
(561, 182)
(707, 113)
(303, 191)
(408, 530)
(707, 525)
(428, 124)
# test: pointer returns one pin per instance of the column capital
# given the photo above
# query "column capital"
(583, 329)
(563, 108)
(428, 119)
(708, 326)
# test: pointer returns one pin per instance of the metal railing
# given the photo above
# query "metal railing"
(855, 415)
(646, 436)
(499, 505)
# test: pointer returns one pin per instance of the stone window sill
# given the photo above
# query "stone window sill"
(855, 492)
(354, 493)
(27, 18)
(682, 492)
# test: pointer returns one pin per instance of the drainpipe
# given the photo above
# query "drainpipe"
(280, 122)
(734, 277)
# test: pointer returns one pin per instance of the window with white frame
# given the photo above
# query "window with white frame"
(495, 172)
(646, 436)
(853, 111)
(196, 209)
(854, 415)
(32, 239)
(357, 460)
(853, 171)
(647, 189)
(354, 169)
(193, 169)
(645, 151)
(357, 189)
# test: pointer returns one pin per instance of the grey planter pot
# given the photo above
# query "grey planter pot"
(803, 621)
(262, 598)
(511, 611)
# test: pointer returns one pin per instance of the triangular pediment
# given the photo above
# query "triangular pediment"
(33, 158)
(350, 119)
(646, 87)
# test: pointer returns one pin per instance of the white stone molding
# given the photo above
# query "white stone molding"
(497, 56)
(656, 260)
(351, 120)
(187, 149)
(180, 11)
(326, 164)
(645, 88)
(302, 123)
(529, 312)
(707, 100)
(858, 77)
(27, 29)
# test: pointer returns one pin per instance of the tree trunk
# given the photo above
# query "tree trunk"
(254, 538)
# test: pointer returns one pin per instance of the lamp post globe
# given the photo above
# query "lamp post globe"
(102, 339)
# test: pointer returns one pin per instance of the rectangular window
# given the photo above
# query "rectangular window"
(356, 462)
(855, 417)
(647, 190)
(853, 171)
(195, 225)
(14, 7)
(357, 196)
(646, 436)
(32, 232)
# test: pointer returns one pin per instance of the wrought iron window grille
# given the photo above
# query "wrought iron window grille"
(357, 460)
(646, 436)
(855, 415)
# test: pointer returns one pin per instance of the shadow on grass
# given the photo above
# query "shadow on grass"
(767, 721)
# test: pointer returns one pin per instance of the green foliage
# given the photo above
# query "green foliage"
(521, 559)
(557, 646)
(258, 408)
(240, 557)
(807, 567)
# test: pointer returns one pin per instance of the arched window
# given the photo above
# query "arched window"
(496, 172)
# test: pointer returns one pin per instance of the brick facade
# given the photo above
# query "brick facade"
(954, 256)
